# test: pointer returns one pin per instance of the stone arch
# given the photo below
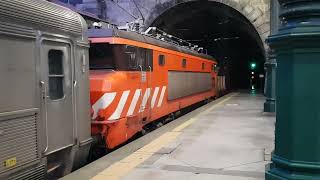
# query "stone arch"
(254, 15)
(232, 31)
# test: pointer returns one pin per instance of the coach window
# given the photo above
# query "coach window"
(184, 63)
(131, 53)
(161, 60)
(56, 75)
(202, 66)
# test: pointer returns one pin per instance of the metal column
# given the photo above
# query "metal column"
(297, 134)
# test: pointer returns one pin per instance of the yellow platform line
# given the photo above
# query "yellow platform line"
(124, 166)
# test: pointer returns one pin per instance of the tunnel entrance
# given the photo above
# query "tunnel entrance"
(225, 33)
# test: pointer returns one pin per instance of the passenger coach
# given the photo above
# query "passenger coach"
(44, 100)
(136, 79)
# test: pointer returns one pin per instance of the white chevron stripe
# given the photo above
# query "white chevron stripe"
(117, 113)
(103, 103)
(154, 96)
(163, 90)
(134, 102)
(144, 100)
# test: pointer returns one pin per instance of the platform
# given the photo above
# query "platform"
(227, 139)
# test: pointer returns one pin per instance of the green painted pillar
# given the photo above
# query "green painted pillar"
(297, 134)
(270, 67)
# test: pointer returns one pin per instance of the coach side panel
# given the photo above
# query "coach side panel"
(19, 108)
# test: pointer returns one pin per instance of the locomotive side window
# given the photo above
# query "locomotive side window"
(149, 62)
(214, 68)
(184, 63)
(131, 53)
(202, 66)
(161, 60)
(145, 59)
(142, 58)
(213, 83)
(56, 75)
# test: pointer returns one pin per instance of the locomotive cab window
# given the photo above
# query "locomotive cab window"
(161, 60)
(56, 75)
(102, 56)
(184, 63)
(202, 66)
(105, 56)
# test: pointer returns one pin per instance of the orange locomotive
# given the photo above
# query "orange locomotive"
(136, 79)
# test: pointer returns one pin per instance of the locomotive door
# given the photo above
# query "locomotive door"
(145, 84)
(149, 69)
(57, 97)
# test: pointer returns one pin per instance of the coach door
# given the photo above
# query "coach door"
(56, 89)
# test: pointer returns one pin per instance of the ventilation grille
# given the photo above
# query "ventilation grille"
(34, 174)
(19, 141)
(16, 29)
(182, 84)
(42, 14)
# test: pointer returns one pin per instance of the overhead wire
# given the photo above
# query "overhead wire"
(142, 17)
(124, 9)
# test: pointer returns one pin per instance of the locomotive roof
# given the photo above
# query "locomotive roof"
(43, 15)
(112, 32)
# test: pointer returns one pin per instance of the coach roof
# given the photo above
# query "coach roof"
(43, 15)
(112, 32)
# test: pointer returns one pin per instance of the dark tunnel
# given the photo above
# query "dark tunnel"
(225, 33)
